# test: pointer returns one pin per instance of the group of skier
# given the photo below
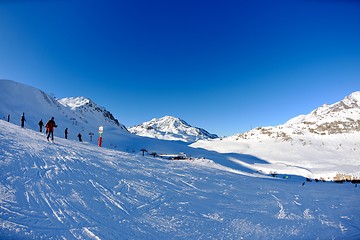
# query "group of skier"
(50, 125)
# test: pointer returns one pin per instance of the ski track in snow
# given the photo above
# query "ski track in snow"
(71, 190)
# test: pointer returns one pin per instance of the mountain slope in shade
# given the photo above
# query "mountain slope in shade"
(171, 128)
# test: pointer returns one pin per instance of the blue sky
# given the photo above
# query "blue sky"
(226, 66)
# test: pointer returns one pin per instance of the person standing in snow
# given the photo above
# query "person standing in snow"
(79, 136)
(50, 125)
(23, 120)
(66, 133)
(41, 124)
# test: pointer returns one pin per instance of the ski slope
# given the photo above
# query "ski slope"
(293, 148)
(72, 190)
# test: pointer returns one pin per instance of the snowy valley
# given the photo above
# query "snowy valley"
(224, 189)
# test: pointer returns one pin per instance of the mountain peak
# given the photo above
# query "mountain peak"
(74, 102)
(171, 128)
(355, 95)
(170, 121)
(338, 118)
(83, 104)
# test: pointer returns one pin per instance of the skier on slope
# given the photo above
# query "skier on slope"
(41, 124)
(79, 136)
(66, 133)
(50, 125)
(23, 120)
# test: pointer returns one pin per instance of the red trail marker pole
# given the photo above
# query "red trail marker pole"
(101, 130)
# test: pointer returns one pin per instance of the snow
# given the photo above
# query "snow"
(171, 128)
(72, 190)
(79, 115)
(74, 102)
(323, 144)
(341, 114)
(355, 96)
(310, 155)
(292, 148)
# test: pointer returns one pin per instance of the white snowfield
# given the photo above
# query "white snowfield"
(309, 155)
(324, 144)
(72, 190)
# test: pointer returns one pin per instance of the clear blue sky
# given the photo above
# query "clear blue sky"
(226, 66)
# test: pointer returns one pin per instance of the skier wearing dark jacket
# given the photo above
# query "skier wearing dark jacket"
(23, 120)
(79, 136)
(41, 124)
(50, 128)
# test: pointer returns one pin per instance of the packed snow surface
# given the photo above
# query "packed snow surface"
(72, 190)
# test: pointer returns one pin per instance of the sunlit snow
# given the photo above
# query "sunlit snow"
(248, 186)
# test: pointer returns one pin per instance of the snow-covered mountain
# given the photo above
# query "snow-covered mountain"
(293, 148)
(171, 128)
(338, 118)
(79, 115)
(72, 190)
(88, 109)
(323, 144)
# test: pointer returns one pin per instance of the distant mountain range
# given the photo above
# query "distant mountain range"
(338, 118)
(81, 115)
(312, 145)
(171, 128)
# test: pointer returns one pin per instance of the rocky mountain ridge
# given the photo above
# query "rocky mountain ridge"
(338, 118)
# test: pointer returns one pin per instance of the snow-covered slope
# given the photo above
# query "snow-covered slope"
(324, 144)
(171, 128)
(72, 190)
(79, 115)
(287, 149)
(89, 111)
